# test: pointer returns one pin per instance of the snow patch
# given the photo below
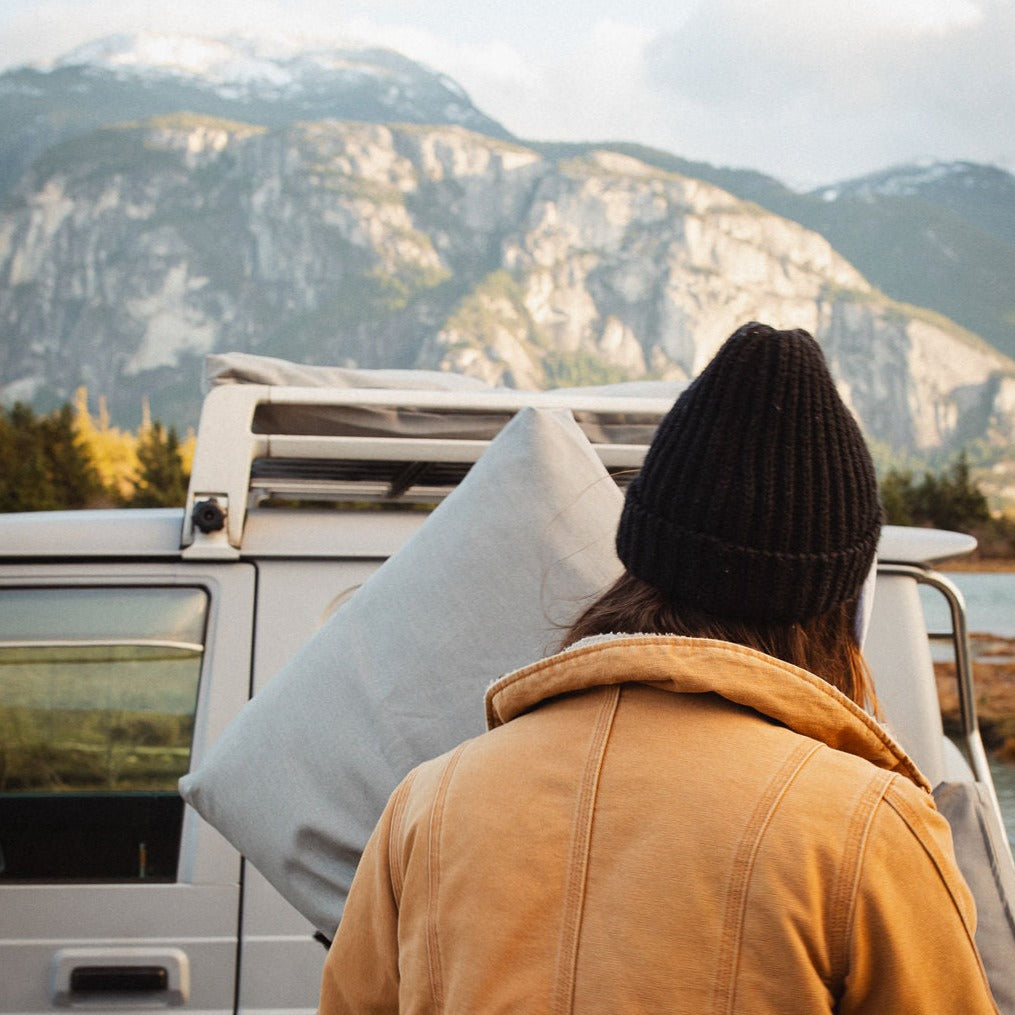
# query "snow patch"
(238, 66)
(901, 181)
(273, 67)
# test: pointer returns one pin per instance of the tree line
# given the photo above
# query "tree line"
(67, 459)
(949, 499)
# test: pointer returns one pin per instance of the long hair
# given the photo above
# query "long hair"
(826, 645)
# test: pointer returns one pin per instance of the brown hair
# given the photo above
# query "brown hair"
(825, 645)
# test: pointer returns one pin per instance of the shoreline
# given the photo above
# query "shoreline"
(993, 662)
(991, 565)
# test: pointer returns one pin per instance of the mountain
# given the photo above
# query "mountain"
(984, 196)
(939, 235)
(267, 82)
(172, 196)
(128, 253)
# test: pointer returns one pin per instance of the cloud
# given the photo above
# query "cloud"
(595, 91)
(594, 88)
(843, 88)
(810, 94)
(43, 30)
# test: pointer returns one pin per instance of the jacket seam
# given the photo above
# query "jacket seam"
(578, 861)
(396, 836)
(921, 833)
(433, 947)
(844, 899)
(724, 995)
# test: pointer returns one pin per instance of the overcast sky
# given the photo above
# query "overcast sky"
(811, 91)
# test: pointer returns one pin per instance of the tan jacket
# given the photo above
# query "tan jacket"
(661, 824)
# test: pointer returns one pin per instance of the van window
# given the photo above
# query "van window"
(98, 691)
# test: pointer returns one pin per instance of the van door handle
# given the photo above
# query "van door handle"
(120, 977)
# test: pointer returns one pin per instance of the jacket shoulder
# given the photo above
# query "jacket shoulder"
(928, 830)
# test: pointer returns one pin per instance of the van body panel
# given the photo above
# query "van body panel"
(116, 940)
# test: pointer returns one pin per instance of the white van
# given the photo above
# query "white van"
(130, 639)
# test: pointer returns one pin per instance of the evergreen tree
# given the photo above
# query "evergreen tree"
(897, 497)
(966, 506)
(44, 465)
(75, 479)
(947, 501)
(25, 483)
(162, 481)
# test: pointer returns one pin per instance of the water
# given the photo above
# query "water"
(990, 602)
(990, 609)
(1004, 783)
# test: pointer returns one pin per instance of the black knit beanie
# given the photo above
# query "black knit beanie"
(757, 499)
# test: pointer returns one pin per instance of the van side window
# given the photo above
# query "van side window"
(98, 690)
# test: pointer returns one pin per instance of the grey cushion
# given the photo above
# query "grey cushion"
(397, 675)
(986, 864)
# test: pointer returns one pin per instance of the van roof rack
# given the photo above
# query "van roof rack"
(266, 444)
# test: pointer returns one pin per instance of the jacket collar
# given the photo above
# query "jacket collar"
(792, 696)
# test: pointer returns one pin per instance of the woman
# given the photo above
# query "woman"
(689, 808)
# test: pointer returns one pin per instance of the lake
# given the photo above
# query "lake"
(990, 609)
(990, 602)
(1004, 783)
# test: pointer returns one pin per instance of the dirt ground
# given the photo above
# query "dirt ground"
(995, 565)
(994, 675)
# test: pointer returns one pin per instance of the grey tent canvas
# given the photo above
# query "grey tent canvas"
(397, 674)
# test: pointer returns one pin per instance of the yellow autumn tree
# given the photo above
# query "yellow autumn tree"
(114, 451)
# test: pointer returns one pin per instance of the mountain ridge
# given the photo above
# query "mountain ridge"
(256, 67)
(41, 106)
(128, 251)
(933, 247)
(132, 251)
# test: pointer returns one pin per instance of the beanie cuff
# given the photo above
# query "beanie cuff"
(740, 582)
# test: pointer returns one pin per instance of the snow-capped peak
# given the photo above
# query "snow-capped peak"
(273, 62)
(900, 181)
(296, 77)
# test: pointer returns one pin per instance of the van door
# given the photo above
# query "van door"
(114, 679)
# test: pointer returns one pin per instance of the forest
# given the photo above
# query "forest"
(70, 459)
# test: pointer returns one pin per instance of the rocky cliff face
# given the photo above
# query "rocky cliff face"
(129, 253)
(271, 82)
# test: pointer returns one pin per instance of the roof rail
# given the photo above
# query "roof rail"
(262, 444)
